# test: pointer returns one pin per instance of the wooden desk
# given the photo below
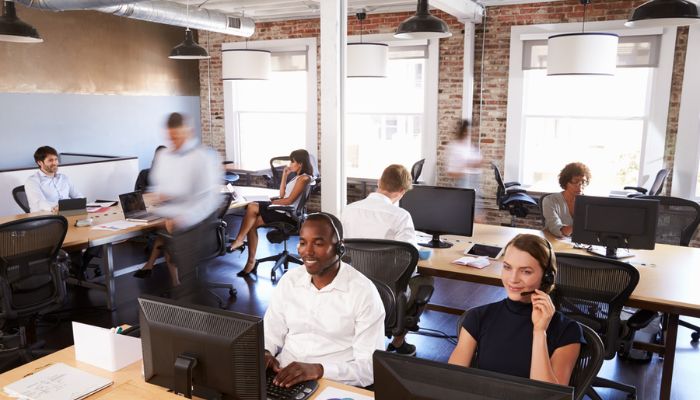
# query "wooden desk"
(128, 381)
(668, 277)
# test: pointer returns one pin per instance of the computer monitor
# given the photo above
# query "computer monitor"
(615, 223)
(202, 351)
(439, 211)
(397, 377)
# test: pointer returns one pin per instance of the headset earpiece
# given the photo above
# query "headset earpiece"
(339, 245)
(548, 277)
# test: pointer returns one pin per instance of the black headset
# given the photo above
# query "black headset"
(548, 277)
(339, 245)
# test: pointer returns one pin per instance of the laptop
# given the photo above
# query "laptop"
(134, 208)
(72, 206)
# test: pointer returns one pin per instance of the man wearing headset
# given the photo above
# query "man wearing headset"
(324, 320)
(47, 186)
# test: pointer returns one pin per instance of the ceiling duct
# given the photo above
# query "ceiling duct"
(163, 12)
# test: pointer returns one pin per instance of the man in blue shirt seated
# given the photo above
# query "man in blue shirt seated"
(47, 186)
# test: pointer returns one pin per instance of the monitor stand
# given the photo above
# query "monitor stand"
(183, 383)
(436, 243)
(610, 252)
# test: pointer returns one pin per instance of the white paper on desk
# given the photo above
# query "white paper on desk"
(103, 348)
(476, 262)
(117, 225)
(332, 393)
(57, 382)
(257, 198)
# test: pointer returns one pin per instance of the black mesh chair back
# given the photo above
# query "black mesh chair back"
(592, 291)
(500, 186)
(658, 184)
(141, 183)
(20, 197)
(277, 165)
(590, 359)
(31, 279)
(540, 201)
(390, 263)
(416, 170)
(677, 221)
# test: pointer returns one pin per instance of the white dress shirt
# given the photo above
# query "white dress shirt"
(377, 218)
(190, 178)
(339, 326)
(43, 191)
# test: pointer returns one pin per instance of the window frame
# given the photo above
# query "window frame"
(231, 122)
(654, 135)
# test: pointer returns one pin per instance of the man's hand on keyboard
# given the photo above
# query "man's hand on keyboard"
(297, 372)
(271, 362)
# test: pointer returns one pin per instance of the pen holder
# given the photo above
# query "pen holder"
(103, 348)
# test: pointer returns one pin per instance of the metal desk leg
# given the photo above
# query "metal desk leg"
(669, 356)
(108, 270)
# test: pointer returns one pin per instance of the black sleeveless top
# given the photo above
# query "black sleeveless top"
(503, 332)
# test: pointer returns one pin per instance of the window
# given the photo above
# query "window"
(609, 123)
(385, 117)
(265, 119)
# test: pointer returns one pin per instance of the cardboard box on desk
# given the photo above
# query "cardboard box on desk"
(103, 348)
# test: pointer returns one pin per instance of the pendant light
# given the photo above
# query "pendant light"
(245, 64)
(189, 49)
(12, 29)
(584, 53)
(423, 25)
(366, 60)
(664, 13)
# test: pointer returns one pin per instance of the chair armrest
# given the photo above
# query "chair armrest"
(515, 189)
(509, 184)
(423, 295)
(401, 309)
(640, 319)
(637, 188)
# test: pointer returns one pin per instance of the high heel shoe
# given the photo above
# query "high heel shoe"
(242, 273)
(238, 248)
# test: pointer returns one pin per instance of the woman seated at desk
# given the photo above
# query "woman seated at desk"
(522, 335)
(258, 214)
(558, 208)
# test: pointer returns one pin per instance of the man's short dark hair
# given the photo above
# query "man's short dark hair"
(326, 218)
(44, 151)
(175, 120)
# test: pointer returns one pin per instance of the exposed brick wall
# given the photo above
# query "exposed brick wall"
(490, 130)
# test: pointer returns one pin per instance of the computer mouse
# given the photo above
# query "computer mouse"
(83, 222)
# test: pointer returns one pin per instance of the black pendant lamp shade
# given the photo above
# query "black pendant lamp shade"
(664, 13)
(12, 29)
(189, 49)
(423, 25)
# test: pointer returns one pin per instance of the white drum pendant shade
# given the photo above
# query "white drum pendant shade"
(367, 60)
(589, 53)
(245, 64)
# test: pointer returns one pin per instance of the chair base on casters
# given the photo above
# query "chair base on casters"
(696, 330)
(281, 260)
(605, 383)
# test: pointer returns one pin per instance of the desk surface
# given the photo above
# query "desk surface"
(668, 274)
(128, 381)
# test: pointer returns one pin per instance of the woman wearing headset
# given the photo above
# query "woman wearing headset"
(522, 335)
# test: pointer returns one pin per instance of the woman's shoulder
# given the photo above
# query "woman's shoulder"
(565, 328)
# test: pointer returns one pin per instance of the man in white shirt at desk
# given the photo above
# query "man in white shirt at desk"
(47, 186)
(379, 217)
(324, 320)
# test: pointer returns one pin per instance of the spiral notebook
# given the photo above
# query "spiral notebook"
(57, 382)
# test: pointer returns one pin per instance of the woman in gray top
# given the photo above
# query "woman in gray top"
(558, 208)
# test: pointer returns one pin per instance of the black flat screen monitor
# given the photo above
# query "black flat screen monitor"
(440, 211)
(398, 377)
(202, 351)
(615, 223)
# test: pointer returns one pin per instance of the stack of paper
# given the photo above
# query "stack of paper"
(57, 382)
(476, 262)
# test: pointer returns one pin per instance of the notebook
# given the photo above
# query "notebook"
(134, 208)
(57, 382)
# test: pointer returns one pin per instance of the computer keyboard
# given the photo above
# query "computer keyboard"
(300, 391)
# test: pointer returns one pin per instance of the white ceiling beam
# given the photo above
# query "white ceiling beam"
(463, 10)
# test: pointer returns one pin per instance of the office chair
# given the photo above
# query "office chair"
(588, 364)
(655, 188)
(141, 183)
(592, 291)
(280, 232)
(510, 196)
(277, 165)
(32, 282)
(677, 222)
(389, 264)
(202, 242)
(20, 197)
(416, 170)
